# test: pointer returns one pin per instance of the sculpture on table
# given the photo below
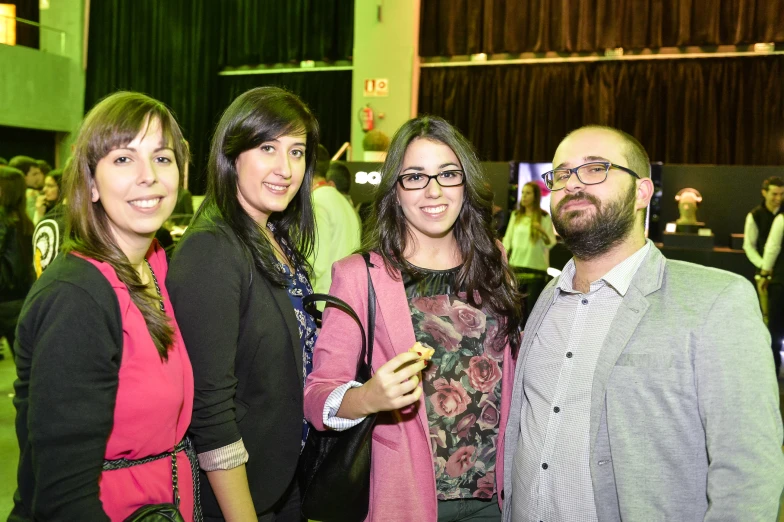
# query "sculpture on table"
(689, 200)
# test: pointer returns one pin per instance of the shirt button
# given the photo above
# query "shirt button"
(544, 466)
(556, 409)
(568, 355)
(584, 301)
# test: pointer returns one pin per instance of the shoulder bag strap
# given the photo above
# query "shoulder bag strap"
(309, 303)
(371, 311)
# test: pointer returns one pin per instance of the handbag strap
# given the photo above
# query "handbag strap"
(371, 316)
(309, 303)
(365, 361)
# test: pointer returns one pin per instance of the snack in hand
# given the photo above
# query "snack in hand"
(424, 352)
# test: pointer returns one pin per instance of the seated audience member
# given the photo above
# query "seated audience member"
(338, 230)
(34, 179)
(15, 264)
(104, 388)
(50, 195)
(646, 391)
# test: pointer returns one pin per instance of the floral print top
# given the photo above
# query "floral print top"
(462, 384)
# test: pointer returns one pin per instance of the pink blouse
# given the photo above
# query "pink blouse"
(153, 409)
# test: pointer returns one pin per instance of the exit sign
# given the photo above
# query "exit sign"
(376, 87)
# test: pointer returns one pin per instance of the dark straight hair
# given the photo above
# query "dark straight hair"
(114, 122)
(255, 117)
(484, 274)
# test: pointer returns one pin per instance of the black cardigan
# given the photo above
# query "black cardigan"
(243, 341)
(68, 352)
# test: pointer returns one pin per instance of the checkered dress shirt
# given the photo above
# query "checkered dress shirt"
(551, 474)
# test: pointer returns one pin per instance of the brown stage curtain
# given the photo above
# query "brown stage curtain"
(461, 27)
(714, 111)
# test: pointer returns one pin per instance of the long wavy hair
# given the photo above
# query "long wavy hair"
(534, 235)
(13, 209)
(114, 122)
(257, 116)
(484, 274)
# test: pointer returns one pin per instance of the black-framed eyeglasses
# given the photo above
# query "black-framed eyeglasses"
(591, 173)
(418, 181)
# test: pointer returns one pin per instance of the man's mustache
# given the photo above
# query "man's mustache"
(580, 196)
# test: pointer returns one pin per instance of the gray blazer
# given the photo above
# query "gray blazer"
(685, 422)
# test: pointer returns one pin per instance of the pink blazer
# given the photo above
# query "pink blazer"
(402, 478)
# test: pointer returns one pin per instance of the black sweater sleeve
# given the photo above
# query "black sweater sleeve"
(205, 281)
(68, 358)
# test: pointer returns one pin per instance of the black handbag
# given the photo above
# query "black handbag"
(334, 469)
(165, 512)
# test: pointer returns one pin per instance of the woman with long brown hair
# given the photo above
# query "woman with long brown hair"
(16, 231)
(528, 240)
(238, 278)
(440, 278)
(105, 387)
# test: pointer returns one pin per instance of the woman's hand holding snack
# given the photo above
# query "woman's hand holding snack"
(395, 385)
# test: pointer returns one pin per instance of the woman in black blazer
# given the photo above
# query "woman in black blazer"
(237, 279)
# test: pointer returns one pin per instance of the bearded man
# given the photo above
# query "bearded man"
(644, 387)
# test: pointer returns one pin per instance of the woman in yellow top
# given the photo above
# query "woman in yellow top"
(528, 240)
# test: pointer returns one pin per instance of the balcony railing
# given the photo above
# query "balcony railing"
(26, 33)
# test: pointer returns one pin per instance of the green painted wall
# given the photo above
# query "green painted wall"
(385, 49)
(44, 89)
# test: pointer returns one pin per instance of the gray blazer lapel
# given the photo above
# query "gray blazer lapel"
(629, 314)
(631, 311)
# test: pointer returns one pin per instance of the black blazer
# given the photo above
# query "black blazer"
(243, 340)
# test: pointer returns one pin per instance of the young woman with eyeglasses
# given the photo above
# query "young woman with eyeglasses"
(441, 279)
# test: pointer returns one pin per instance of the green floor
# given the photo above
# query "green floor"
(9, 451)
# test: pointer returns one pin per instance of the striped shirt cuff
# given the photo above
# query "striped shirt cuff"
(228, 457)
(332, 405)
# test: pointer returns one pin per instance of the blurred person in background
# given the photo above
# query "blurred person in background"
(16, 232)
(45, 167)
(50, 195)
(339, 177)
(528, 240)
(34, 178)
(50, 230)
(338, 229)
(755, 235)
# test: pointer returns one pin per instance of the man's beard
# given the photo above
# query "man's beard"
(590, 237)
